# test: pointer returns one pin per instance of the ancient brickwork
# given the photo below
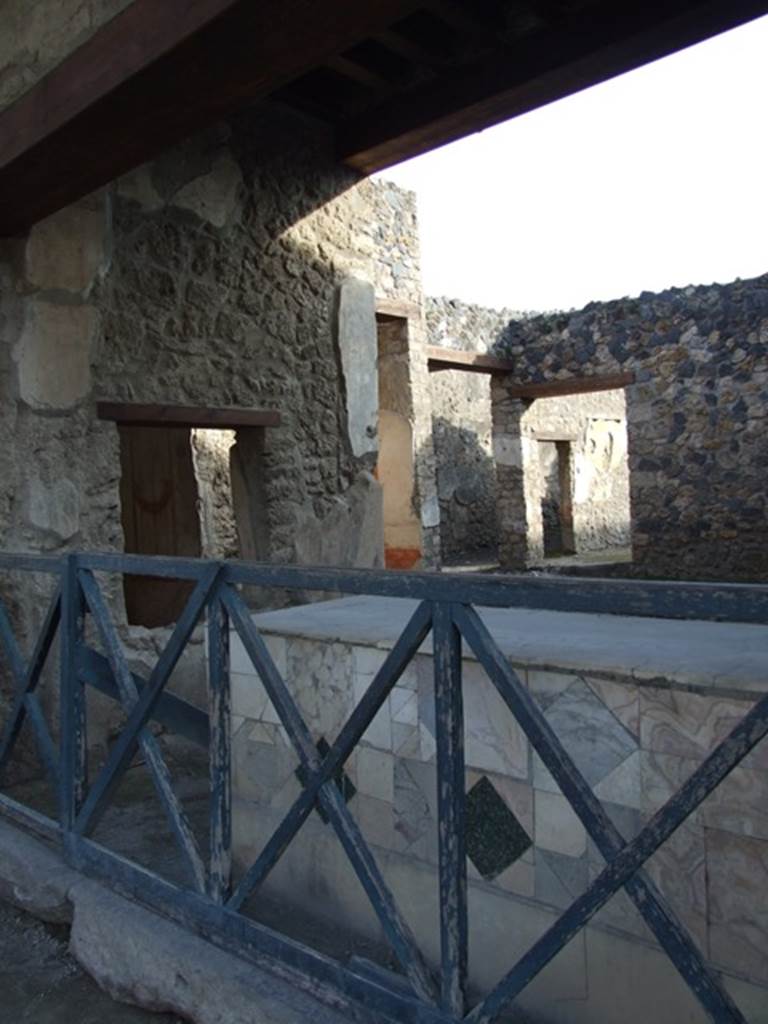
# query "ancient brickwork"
(696, 418)
(36, 36)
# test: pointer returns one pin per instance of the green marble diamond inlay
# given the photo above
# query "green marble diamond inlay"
(494, 837)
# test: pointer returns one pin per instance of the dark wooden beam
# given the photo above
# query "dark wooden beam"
(406, 48)
(358, 73)
(587, 47)
(474, 362)
(572, 386)
(186, 416)
(153, 75)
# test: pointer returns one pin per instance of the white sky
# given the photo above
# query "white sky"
(654, 179)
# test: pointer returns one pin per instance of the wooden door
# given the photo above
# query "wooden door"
(159, 498)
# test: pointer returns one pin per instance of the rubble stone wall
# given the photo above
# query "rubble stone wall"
(696, 416)
(210, 277)
(461, 426)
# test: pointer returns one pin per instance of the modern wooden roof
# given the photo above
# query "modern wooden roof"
(392, 78)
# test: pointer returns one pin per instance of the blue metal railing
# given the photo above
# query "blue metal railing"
(210, 904)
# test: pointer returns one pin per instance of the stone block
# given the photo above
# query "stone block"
(54, 508)
(351, 534)
(358, 347)
(67, 250)
(213, 196)
(53, 354)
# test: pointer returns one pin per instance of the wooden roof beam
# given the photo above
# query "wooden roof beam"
(594, 44)
(154, 74)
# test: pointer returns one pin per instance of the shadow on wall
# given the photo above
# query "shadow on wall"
(209, 278)
(228, 257)
(466, 488)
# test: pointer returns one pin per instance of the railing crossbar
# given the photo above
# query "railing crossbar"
(398, 932)
(350, 734)
(446, 608)
(125, 746)
(26, 678)
(670, 933)
(128, 695)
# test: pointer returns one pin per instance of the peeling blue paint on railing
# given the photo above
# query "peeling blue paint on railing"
(211, 905)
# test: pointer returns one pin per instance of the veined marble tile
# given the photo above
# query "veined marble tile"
(662, 776)
(368, 660)
(629, 822)
(691, 725)
(375, 818)
(493, 740)
(621, 699)
(556, 826)
(240, 662)
(518, 878)
(560, 880)
(248, 696)
(375, 774)
(409, 678)
(620, 912)
(623, 785)
(679, 870)
(415, 809)
(261, 770)
(406, 741)
(261, 733)
(589, 732)
(546, 687)
(379, 732)
(404, 706)
(739, 804)
(541, 775)
(737, 882)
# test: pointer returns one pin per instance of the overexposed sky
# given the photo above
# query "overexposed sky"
(658, 178)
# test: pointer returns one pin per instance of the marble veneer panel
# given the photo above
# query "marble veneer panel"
(737, 883)
(634, 744)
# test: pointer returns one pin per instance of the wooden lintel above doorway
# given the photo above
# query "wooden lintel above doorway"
(572, 386)
(474, 362)
(223, 418)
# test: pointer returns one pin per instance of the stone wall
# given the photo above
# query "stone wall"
(593, 425)
(583, 440)
(461, 426)
(394, 235)
(696, 417)
(212, 277)
(38, 34)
